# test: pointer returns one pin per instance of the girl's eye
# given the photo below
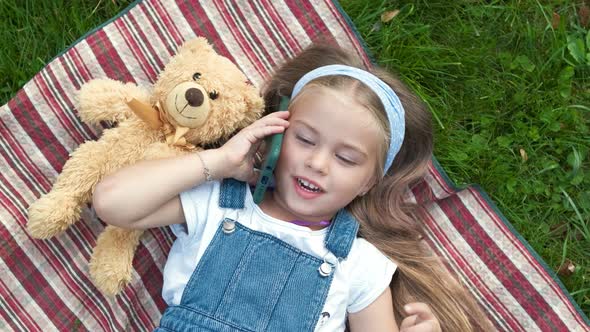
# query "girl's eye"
(304, 140)
(346, 161)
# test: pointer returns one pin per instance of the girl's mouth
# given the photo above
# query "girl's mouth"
(306, 189)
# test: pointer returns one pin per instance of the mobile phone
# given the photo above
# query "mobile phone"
(270, 161)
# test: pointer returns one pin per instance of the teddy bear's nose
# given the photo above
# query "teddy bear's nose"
(194, 97)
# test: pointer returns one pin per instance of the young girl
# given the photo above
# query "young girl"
(323, 246)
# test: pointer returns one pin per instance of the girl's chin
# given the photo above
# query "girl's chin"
(298, 208)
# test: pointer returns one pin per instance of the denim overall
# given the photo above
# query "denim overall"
(252, 281)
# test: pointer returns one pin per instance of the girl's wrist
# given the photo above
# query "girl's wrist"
(213, 164)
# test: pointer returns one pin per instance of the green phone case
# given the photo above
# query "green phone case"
(274, 148)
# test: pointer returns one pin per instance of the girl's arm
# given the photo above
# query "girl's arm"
(377, 316)
(145, 195)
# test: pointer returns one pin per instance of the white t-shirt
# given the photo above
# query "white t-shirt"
(358, 280)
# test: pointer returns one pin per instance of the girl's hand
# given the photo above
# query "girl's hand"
(239, 151)
(420, 319)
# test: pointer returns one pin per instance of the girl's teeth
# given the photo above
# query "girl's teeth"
(308, 186)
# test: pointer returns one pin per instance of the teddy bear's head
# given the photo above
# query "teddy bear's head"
(206, 93)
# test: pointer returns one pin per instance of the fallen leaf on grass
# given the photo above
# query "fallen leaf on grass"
(555, 20)
(523, 154)
(567, 268)
(389, 15)
(584, 14)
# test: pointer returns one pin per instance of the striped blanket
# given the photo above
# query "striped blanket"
(44, 285)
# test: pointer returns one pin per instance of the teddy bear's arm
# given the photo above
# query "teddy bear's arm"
(104, 100)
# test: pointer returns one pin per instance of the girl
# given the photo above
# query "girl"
(323, 246)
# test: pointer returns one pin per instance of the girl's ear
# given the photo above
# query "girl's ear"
(368, 186)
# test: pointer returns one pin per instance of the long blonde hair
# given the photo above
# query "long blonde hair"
(386, 221)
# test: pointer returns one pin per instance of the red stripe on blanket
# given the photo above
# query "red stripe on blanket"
(270, 30)
(146, 43)
(146, 65)
(128, 301)
(303, 17)
(241, 40)
(151, 279)
(487, 299)
(349, 33)
(437, 176)
(156, 24)
(245, 24)
(482, 203)
(23, 111)
(527, 255)
(279, 26)
(13, 313)
(199, 21)
(34, 282)
(80, 64)
(52, 252)
(15, 156)
(74, 77)
(80, 228)
(167, 23)
(108, 58)
(500, 264)
(151, 275)
(56, 97)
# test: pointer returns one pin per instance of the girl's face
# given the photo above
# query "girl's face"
(328, 156)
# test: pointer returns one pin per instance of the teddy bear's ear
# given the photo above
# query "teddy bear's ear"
(197, 45)
(254, 102)
(254, 107)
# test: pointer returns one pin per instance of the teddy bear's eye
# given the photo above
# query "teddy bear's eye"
(213, 95)
(196, 76)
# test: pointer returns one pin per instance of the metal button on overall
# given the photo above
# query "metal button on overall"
(229, 226)
(325, 269)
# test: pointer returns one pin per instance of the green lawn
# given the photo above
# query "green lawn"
(508, 83)
(509, 89)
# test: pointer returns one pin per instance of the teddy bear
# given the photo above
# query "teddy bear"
(198, 101)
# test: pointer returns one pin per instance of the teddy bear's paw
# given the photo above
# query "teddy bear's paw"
(111, 265)
(51, 215)
(105, 100)
(110, 279)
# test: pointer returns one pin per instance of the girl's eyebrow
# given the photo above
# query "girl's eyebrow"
(305, 124)
(347, 145)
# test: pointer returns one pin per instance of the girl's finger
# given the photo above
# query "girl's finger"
(275, 121)
(254, 135)
(278, 114)
(426, 326)
(420, 309)
(408, 321)
(253, 177)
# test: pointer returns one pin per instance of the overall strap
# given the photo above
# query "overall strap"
(342, 233)
(232, 194)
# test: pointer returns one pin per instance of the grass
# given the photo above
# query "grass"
(33, 32)
(508, 87)
(509, 90)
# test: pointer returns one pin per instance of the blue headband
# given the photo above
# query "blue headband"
(393, 107)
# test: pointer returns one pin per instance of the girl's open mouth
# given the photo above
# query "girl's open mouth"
(306, 189)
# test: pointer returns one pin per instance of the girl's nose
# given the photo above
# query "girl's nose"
(318, 161)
